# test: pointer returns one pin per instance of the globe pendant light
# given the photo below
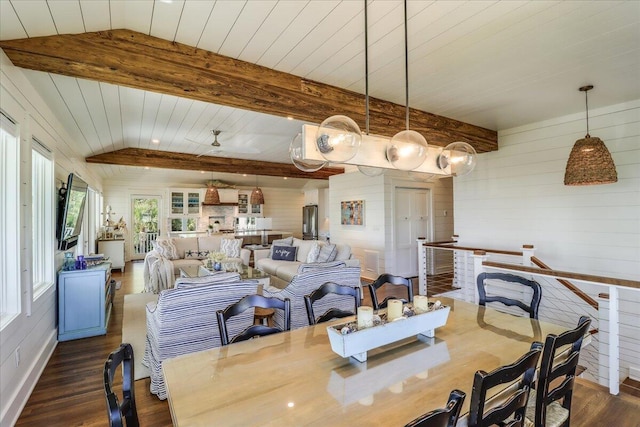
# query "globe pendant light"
(298, 160)
(408, 149)
(338, 139)
(590, 162)
(367, 170)
(460, 156)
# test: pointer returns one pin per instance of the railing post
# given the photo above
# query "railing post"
(422, 266)
(478, 258)
(614, 341)
(527, 254)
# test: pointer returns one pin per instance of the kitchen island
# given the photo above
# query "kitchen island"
(249, 237)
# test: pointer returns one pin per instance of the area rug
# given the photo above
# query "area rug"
(134, 328)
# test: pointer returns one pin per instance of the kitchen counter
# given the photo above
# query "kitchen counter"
(249, 236)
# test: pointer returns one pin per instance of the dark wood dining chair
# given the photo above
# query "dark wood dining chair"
(389, 279)
(530, 307)
(544, 408)
(122, 411)
(444, 417)
(509, 409)
(247, 302)
(331, 313)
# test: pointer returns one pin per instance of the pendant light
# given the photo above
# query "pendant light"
(590, 162)
(211, 197)
(367, 170)
(462, 158)
(407, 149)
(256, 198)
(297, 158)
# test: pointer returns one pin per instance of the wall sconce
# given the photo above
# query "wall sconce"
(590, 162)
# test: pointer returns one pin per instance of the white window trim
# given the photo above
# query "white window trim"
(9, 222)
(46, 272)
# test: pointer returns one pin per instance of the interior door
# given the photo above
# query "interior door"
(412, 220)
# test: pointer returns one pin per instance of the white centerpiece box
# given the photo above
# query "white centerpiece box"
(356, 344)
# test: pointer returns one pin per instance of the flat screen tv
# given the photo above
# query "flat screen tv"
(72, 199)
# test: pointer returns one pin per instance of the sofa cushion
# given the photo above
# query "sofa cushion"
(284, 253)
(344, 252)
(313, 252)
(185, 244)
(287, 241)
(209, 243)
(165, 248)
(327, 253)
(231, 247)
(304, 247)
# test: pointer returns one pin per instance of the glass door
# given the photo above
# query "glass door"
(146, 225)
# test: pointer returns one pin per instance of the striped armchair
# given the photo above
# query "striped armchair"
(184, 320)
(308, 280)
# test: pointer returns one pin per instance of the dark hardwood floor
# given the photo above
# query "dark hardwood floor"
(70, 392)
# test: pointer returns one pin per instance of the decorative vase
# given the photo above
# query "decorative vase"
(217, 266)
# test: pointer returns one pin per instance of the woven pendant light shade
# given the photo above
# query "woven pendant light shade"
(257, 198)
(590, 163)
(212, 197)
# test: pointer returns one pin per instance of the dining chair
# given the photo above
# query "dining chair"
(332, 313)
(508, 407)
(247, 302)
(444, 417)
(123, 411)
(530, 307)
(544, 408)
(389, 279)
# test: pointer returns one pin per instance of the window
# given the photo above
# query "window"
(9, 220)
(42, 219)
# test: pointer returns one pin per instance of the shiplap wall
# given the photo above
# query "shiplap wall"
(35, 335)
(378, 194)
(284, 205)
(516, 196)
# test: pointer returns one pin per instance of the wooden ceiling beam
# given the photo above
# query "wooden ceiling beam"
(137, 60)
(172, 160)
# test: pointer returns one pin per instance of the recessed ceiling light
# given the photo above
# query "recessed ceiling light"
(201, 171)
(155, 141)
(284, 177)
(146, 168)
(289, 118)
(244, 174)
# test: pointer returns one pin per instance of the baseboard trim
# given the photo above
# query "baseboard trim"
(22, 393)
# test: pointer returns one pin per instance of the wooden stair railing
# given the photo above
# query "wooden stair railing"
(567, 284)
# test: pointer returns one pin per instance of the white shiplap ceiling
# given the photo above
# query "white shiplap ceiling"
(496, 64)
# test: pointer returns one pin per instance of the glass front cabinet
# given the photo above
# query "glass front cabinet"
(184, 202)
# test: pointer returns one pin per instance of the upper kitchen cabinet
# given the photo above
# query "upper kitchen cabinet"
(184, 202)
(245, 208)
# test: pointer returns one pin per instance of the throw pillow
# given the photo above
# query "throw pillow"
(165, 248)
(327, 253)
(284, 253)
(189, 254)
(231, 247)
(313, 252)
(288, 241)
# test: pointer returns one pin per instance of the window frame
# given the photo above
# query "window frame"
(10, 220)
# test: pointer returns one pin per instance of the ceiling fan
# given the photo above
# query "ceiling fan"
(228, 148)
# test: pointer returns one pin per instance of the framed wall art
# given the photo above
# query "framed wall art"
(352, 212)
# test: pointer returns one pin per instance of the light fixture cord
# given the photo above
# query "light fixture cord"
(586, 103)
(366, 69)
(406, 64)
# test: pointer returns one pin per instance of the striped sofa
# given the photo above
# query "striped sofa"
(308, 279)
(184, 319)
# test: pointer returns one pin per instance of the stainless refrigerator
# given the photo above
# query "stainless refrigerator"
(310, 222)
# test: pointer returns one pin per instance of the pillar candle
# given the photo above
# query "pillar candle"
(365, 317)
(394, 309)
(421, 303)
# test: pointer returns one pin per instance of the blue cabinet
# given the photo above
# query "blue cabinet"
(84, 302)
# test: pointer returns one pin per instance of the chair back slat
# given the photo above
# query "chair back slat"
(390, 279)
(531, 307)
(120, 411)
(252, 331)
(333, 312)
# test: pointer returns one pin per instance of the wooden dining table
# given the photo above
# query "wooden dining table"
(295, 379)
